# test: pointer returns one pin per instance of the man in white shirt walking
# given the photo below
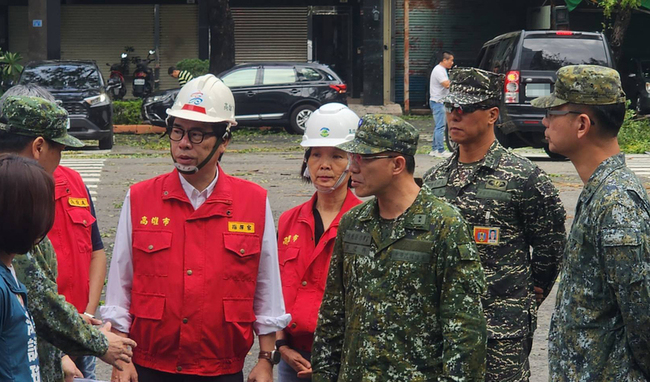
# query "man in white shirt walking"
(439, 88)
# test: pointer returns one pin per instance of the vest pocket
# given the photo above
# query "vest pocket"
(146, 305)
(242, 244)
(150, 252)
(81, 216)
(238, 309)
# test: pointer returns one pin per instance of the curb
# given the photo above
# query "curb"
(138, 129)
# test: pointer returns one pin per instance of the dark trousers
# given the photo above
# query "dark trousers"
(151, 375)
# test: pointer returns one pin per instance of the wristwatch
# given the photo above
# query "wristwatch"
(272, 356)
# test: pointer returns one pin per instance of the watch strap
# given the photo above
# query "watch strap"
(280, 343)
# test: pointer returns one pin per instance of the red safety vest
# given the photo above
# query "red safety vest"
(194, 274)
(71, 236)
(304, 267)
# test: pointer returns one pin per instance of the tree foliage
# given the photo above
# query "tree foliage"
(623, 13)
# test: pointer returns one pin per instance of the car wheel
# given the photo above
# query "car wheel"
(299, 117)
(553, 155)
(106, 143)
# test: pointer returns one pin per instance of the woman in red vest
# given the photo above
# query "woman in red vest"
(306, 234)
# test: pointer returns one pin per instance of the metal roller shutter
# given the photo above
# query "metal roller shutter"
(179, 38)
(100, 33)
(18, 31)
(270, 34)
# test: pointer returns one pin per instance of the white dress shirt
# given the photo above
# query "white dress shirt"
(268, 303)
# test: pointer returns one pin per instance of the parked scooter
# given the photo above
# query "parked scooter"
(116, 79)
(143, 77)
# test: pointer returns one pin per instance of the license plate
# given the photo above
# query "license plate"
(537, 90)
(138, 81)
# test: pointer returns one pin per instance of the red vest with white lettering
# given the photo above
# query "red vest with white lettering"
(304, 267)
(194, 274)
(71, 236)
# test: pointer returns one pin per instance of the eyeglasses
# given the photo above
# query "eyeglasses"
(465, 109)
(550, 112)
(195, 136)
(358, 158)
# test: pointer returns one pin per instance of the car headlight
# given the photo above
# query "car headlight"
(647, 87)
(159, 98)
(99, 100)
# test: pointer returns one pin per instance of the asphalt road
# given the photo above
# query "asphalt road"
(274, 163)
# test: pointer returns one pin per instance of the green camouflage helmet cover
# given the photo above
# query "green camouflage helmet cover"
(471, 85)
(584, 85)
(37, 117)
(379, 133)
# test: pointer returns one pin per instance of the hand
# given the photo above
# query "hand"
(90, 320)
(296, 361)
(119, 348)
(539, 295)
(70, 369)
(126, 373)
(262, 372)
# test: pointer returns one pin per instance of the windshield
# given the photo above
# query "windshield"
(551, 53)
(63, 77)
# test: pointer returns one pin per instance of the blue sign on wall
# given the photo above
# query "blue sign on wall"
(37, 23)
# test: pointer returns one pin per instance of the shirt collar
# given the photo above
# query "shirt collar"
(603, 170)
(192, 192)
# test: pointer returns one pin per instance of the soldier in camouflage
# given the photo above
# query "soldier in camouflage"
(37, 128)
(511, 206)
(402, 301)
(600, 327)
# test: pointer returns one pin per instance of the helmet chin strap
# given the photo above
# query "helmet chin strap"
(189, 170)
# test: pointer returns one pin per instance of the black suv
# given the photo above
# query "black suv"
(529, 60)
(80, 88)
(637, 85)
(282, 93)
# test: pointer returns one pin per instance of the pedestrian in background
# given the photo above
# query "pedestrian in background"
(36, 128)
(306, 234)
(402, 301)
(600, 329)
(511, 206)
(439, 88)
(27, 210)
(183, 76)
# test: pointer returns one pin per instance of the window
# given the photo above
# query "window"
(308, 74)
(503, 55)
(552, 53)
(244, 77)
(488, 54)
(274, 76)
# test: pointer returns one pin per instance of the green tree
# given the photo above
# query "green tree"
(10, 64)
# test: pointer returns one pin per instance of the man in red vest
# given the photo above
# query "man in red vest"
(195, 270)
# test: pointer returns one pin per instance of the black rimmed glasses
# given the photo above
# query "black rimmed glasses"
(195, 136)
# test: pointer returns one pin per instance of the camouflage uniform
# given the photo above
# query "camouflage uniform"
(511, 205)
(57, 322)
(600, 327)
(402, 298)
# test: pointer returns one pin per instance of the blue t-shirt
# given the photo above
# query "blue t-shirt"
(18, 353)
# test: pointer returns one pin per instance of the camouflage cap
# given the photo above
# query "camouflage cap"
(584, 85)
(37, 117)
(471, 85)
(378, 133)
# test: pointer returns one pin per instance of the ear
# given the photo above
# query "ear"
(584, 126)
(493, 115)
(38, 147)
(399, 164)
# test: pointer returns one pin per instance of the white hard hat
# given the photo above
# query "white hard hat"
(330, 125)
(205, 99)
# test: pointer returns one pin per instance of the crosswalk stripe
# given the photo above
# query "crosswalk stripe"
(90, 171)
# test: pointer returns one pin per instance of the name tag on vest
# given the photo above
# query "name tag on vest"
(493, 194)
(78, 202)
(241, 227)
(410, 256)
(356, 249)
(356, 237)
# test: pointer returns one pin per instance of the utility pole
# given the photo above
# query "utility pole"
(44, 37)
(407, 46)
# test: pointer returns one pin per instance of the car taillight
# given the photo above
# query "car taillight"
(141, 74)
(564, 33)
(511, 87)
(340, 88)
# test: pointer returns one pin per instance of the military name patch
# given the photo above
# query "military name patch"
(496, 184)
(356, 237)
(486, 235)
(493, 194)
(241, 227)
(355, 249)
(410, 256)
(78, 202)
